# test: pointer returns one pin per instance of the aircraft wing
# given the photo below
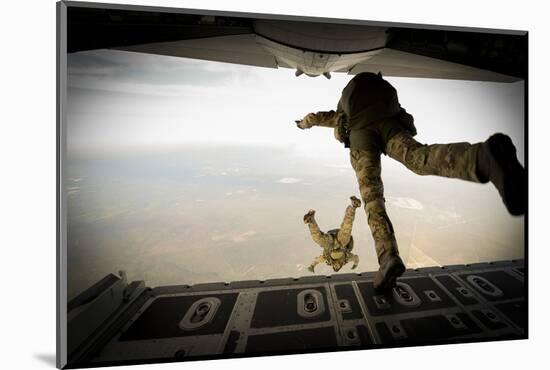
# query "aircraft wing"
(311, 48)
(397, 63)
(237, 49)
(244, 49)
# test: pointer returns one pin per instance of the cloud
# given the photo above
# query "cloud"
(235, 238)
(450, 216)
(97, 63)
(289, 180)
(73, 190)
(338, 166)
(408, 203)
(116, 70)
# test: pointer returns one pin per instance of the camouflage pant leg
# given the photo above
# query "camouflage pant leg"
(457, 160)
(368, 170)
(319, 237)
(344, 234)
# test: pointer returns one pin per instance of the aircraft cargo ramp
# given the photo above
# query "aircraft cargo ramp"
(114, 322)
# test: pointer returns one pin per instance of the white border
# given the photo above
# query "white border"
(28, 185)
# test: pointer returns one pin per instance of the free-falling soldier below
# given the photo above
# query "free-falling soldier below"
(337, 243)
(370, 121)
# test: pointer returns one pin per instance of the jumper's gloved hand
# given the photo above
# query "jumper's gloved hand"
(311, 268)
(407, 121)
(355, 202)
(306, 122)
(354, 266)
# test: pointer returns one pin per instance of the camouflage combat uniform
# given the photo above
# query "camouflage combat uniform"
(376, 124)
(337, 244)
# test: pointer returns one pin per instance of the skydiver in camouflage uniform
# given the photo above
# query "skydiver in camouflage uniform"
(370, 121)
(337, 243)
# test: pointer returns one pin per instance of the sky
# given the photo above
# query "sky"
(184, 171)
(144, 100)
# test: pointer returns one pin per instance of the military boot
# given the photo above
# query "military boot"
(309, 217)
(497, 162)
(355, 202)
(391, 265)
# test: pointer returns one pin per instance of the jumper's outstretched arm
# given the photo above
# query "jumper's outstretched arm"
(324, 119)
(319, 237)
(344, 234)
